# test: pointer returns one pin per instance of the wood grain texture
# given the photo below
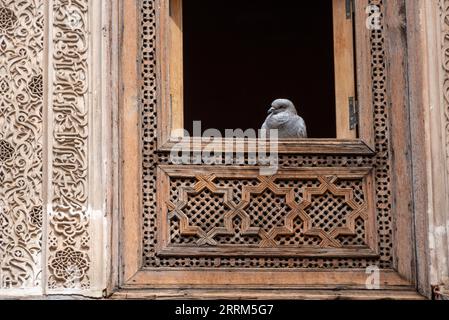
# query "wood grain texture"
(420, 128)
(130, 141)
(112, 204)
(398, 88)
(344, 68)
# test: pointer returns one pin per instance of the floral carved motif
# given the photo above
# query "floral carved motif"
(6, 151)
(36, 86)
(21, 128)
(69, 265)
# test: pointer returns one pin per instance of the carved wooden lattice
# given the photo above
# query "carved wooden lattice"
(190, 225)
(444, 8)
(292, 212)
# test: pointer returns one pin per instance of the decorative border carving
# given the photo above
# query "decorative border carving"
(152, 59)
(21, 139)
(444, 14)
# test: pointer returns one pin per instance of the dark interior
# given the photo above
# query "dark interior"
(239, 56)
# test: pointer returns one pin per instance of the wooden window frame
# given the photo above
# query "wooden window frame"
(171, 104)
(134, 281)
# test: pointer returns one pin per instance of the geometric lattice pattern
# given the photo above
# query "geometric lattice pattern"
(333, 211)
(69, 226)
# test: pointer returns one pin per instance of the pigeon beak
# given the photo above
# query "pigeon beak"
(271, 110)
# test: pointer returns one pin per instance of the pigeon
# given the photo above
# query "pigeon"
(284, 117)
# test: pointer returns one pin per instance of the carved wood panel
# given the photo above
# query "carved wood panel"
(37, 97)
(320, 213)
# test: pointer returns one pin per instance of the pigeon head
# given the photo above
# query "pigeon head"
(282, 105)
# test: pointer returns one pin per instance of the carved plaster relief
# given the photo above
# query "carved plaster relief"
(21, 132)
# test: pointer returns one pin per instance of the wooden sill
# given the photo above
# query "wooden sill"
(266, 294)
(285, 146)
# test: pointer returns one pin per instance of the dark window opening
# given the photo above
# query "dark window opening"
(239, 56)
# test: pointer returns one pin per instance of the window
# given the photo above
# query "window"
(197, 226)
(226, 61)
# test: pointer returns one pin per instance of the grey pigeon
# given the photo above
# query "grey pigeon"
(284, 117)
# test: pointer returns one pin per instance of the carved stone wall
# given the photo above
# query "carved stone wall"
(68, 225)
(21, 142)
(444, 37)
(228, 215)
(287, 215)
